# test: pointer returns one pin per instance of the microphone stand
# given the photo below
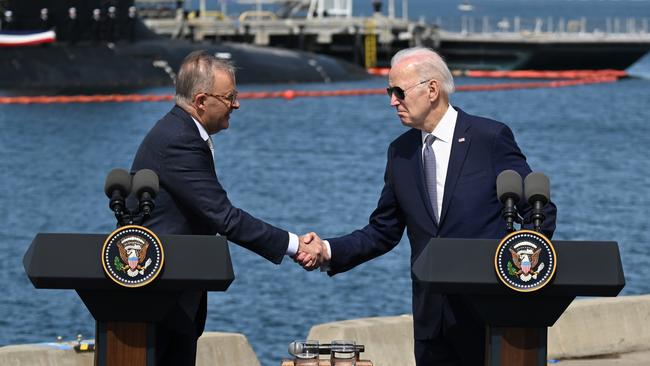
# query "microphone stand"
(124, 216)
(118, 206)
(537, 217)
(510, 214)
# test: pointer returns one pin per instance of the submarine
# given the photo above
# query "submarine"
(99, 46)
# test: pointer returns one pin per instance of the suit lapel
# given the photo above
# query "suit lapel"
(459, 147)
(416, 165)
(188, 123)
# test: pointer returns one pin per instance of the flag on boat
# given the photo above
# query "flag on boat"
(26, 38)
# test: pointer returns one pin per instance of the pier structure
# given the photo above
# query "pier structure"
(329, 27)
(320, 26)
(609, 26)
(526, 49)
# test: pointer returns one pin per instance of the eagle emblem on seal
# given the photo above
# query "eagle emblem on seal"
(525, 261)
(133, 256)
(525, 257)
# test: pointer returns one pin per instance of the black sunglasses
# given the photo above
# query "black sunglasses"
(401, 93)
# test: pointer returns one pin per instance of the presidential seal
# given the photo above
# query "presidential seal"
(525, 261)
(132, 256)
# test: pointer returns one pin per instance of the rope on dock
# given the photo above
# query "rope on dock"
(606, 77)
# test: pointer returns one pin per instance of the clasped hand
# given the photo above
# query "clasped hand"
(311, 252)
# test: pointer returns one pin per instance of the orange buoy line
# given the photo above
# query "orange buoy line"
(44, 99)
(378, 71)
(550, 74)
(291, 94)
(523, 74)
(537, 84)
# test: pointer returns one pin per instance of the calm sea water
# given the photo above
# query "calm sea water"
(313, 164)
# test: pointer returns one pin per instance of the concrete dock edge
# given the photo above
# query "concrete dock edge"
(604, 331)
(606, 328)
(214, 348)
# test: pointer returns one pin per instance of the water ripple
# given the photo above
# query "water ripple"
(311, 164)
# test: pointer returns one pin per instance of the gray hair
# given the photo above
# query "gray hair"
(429, 65)
(196, 75)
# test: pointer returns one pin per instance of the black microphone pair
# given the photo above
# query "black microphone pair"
(537, 190)
(119, 185)
(296, 348)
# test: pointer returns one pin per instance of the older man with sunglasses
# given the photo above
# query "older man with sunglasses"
(439, 182)
(191, 200)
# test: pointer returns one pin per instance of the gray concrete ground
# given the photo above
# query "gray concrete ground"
(594, 332)
(604, 331)
(625, 359)
(213, 349)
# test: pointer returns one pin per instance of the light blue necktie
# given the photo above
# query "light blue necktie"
(429, 162)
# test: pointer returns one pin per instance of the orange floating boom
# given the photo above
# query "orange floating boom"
(291, 94)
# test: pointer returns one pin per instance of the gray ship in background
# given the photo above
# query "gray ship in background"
(102, 46)
(329, 27)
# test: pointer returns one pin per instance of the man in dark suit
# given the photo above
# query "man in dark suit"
(440, 181)
(191, 201)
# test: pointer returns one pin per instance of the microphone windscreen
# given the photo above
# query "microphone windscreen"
(117, 179)
(145, 180)
(295, 348)
(509, 186)
(537, 188)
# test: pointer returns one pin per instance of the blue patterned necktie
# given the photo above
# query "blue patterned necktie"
(429, 163)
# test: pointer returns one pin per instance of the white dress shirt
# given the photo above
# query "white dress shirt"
(292, 248)
(444, 134)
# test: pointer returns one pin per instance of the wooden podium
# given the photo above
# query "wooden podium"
(516, 321)
(126, 317)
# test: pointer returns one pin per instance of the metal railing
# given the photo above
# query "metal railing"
(516, 24)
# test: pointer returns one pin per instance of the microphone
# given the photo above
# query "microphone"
(145, 187)
(117, 187)
(296, 348)
(538, 193)
(509, 192)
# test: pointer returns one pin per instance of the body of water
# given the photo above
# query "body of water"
(313, 164)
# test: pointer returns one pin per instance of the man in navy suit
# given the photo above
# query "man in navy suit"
(440, 181)
(191, 200)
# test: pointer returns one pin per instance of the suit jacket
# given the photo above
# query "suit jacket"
(191, 201)
(470, 209)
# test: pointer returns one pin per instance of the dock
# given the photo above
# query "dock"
(591, 332)
(330, 28)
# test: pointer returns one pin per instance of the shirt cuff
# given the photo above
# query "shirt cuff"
(292, 248)
(326, 266)
(329, 250)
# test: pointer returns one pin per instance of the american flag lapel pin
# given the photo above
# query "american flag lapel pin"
(462, 139)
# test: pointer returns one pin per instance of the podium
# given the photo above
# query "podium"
(126, 317)
(517, 322)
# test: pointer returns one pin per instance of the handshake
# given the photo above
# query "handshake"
(312, 252)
